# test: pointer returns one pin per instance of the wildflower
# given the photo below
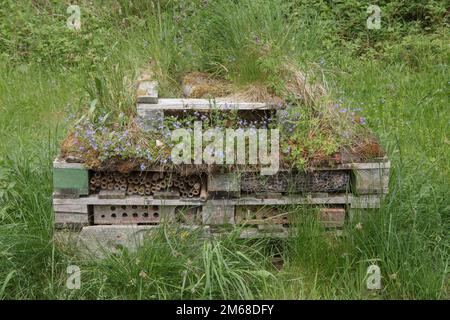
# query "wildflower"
(362, 120)
(343, 110)
(142, 167)
(159, 143)
(359, 226)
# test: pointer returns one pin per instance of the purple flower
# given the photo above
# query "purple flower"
(343, 110)
(362, 120)
(142, 167)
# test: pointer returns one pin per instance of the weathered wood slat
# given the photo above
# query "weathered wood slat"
(218, 214)
(138, 200)
(203, 105)
(74, 207)
(98, 241)
(332, 217)
(370, 181)
(71, 218)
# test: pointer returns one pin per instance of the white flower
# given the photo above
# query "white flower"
(159, 143)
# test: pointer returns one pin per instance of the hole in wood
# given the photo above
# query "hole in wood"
(113, 208)
(155, 214)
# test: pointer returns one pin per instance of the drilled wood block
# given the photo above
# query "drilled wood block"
(104, 214)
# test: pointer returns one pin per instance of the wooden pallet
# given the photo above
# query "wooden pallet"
(225, 207)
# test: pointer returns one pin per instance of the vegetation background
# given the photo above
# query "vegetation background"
(398, 75)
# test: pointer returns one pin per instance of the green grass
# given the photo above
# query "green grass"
(403, 91)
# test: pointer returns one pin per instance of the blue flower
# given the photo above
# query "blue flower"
(142, 167)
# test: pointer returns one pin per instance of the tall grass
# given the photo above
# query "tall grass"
(403, 94)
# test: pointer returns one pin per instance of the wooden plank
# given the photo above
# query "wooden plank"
(332, 217)
(371, 181)
(72, 179)
(381, 164)
(141, 200)
(204, 105)
(70, 208)
(254, 233)
(147, 92)
(64, 218)
(218, 214)
(366, 201)
(62, 164)
(224, 182)
(99, 241)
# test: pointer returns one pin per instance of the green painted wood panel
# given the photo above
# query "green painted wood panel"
(71, 178)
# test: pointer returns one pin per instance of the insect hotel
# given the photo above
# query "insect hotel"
(114, 205)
